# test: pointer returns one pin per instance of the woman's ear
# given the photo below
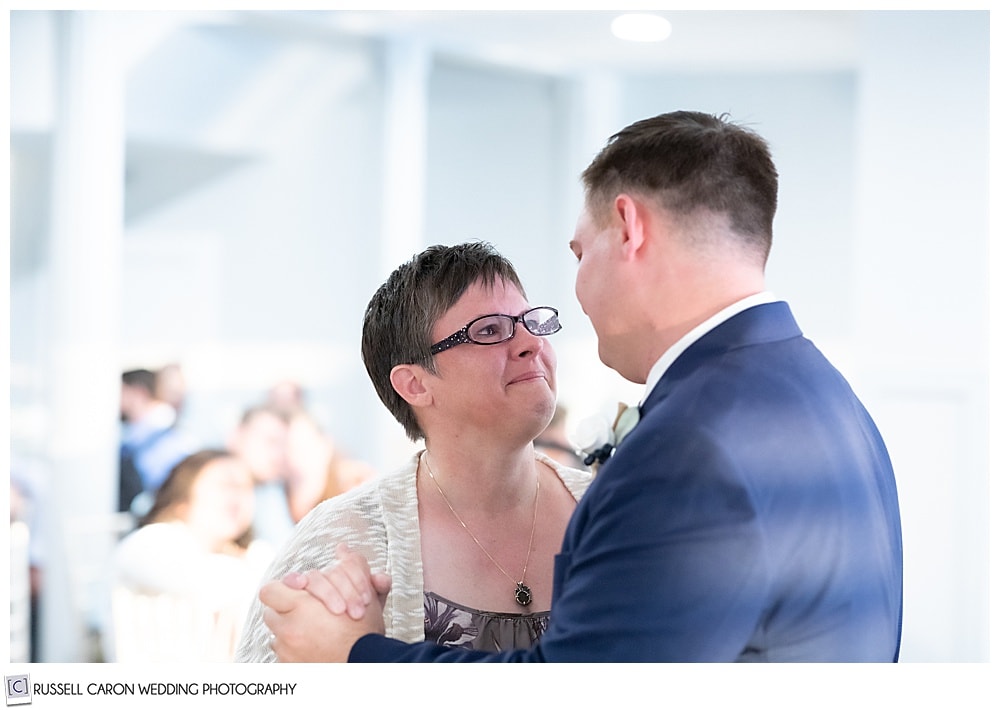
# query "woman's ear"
(408, 381)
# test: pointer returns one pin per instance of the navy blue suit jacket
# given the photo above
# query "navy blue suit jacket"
(751, 515)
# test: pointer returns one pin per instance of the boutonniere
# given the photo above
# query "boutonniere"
(598, 436)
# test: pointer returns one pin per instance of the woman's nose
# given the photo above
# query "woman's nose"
(525, 343)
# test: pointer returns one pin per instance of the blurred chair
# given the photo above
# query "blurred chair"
(90, 540)
(20, 594)
(166, 628)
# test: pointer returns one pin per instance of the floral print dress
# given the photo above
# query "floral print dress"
(448, 623)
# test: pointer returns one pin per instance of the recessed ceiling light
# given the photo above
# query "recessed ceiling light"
(638, 27)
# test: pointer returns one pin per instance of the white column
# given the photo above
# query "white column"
(406, 75)
(595, 115)
(84, 273)
(600, 101)
(404, 171)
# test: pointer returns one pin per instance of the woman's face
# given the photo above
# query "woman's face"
(221, 505)
(508, 387)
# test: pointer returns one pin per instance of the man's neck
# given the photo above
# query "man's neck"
(679, 345)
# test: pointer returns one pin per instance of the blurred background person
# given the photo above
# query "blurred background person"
(554, 442)
(287, 396)
(171, 386)
(196, 546)
(317, 470)
(151, 442)
(260, 440)
(27, 496)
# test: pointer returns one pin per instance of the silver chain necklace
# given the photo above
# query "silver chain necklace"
(522, 592)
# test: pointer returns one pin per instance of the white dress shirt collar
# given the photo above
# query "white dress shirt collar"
(674, 351)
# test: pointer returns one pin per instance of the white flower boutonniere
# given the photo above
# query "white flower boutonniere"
(598, 436)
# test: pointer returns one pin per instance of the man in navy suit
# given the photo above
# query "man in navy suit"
(751, 515)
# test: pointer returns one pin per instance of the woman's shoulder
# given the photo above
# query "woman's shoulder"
(361, 516)
(373, 492)
(575, 480)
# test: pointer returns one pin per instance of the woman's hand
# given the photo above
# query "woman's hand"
(346, 586)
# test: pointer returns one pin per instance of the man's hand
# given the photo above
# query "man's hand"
(307, 629)
(347, 585)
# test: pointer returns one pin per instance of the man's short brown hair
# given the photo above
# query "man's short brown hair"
(691, 162)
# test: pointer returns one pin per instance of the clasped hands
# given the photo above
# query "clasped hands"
(316, 616)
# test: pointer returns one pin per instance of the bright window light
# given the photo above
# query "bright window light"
(636, 27)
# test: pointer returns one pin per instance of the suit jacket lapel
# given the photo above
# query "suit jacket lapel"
(768, 322)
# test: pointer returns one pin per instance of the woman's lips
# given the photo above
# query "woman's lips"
(528, 377)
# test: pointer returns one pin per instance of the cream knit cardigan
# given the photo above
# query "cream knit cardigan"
(379, 520)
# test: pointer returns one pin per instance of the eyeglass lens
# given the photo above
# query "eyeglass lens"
(541, 321)
(497, 328)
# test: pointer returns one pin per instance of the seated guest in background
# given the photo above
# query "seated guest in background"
(151, 441)
(317, 471)
(260, 440)
(196, 542)
(469, 526)
(556, 444)
(287, 396)
(171, 386)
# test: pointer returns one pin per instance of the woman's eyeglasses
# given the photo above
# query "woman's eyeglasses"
(499, 328)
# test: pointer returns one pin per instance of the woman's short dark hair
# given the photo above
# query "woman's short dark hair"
(691, 162)
(400, 316)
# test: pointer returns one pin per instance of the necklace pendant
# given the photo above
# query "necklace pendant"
(522, 594)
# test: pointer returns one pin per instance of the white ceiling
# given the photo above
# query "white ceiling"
(185, 84)
(569, 41)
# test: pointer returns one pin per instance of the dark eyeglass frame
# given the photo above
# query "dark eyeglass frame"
(462, 336)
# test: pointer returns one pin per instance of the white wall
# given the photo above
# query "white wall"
(291, 236)
(920, 320)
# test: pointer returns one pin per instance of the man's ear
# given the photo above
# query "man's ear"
(634, 215)
(408, 381)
